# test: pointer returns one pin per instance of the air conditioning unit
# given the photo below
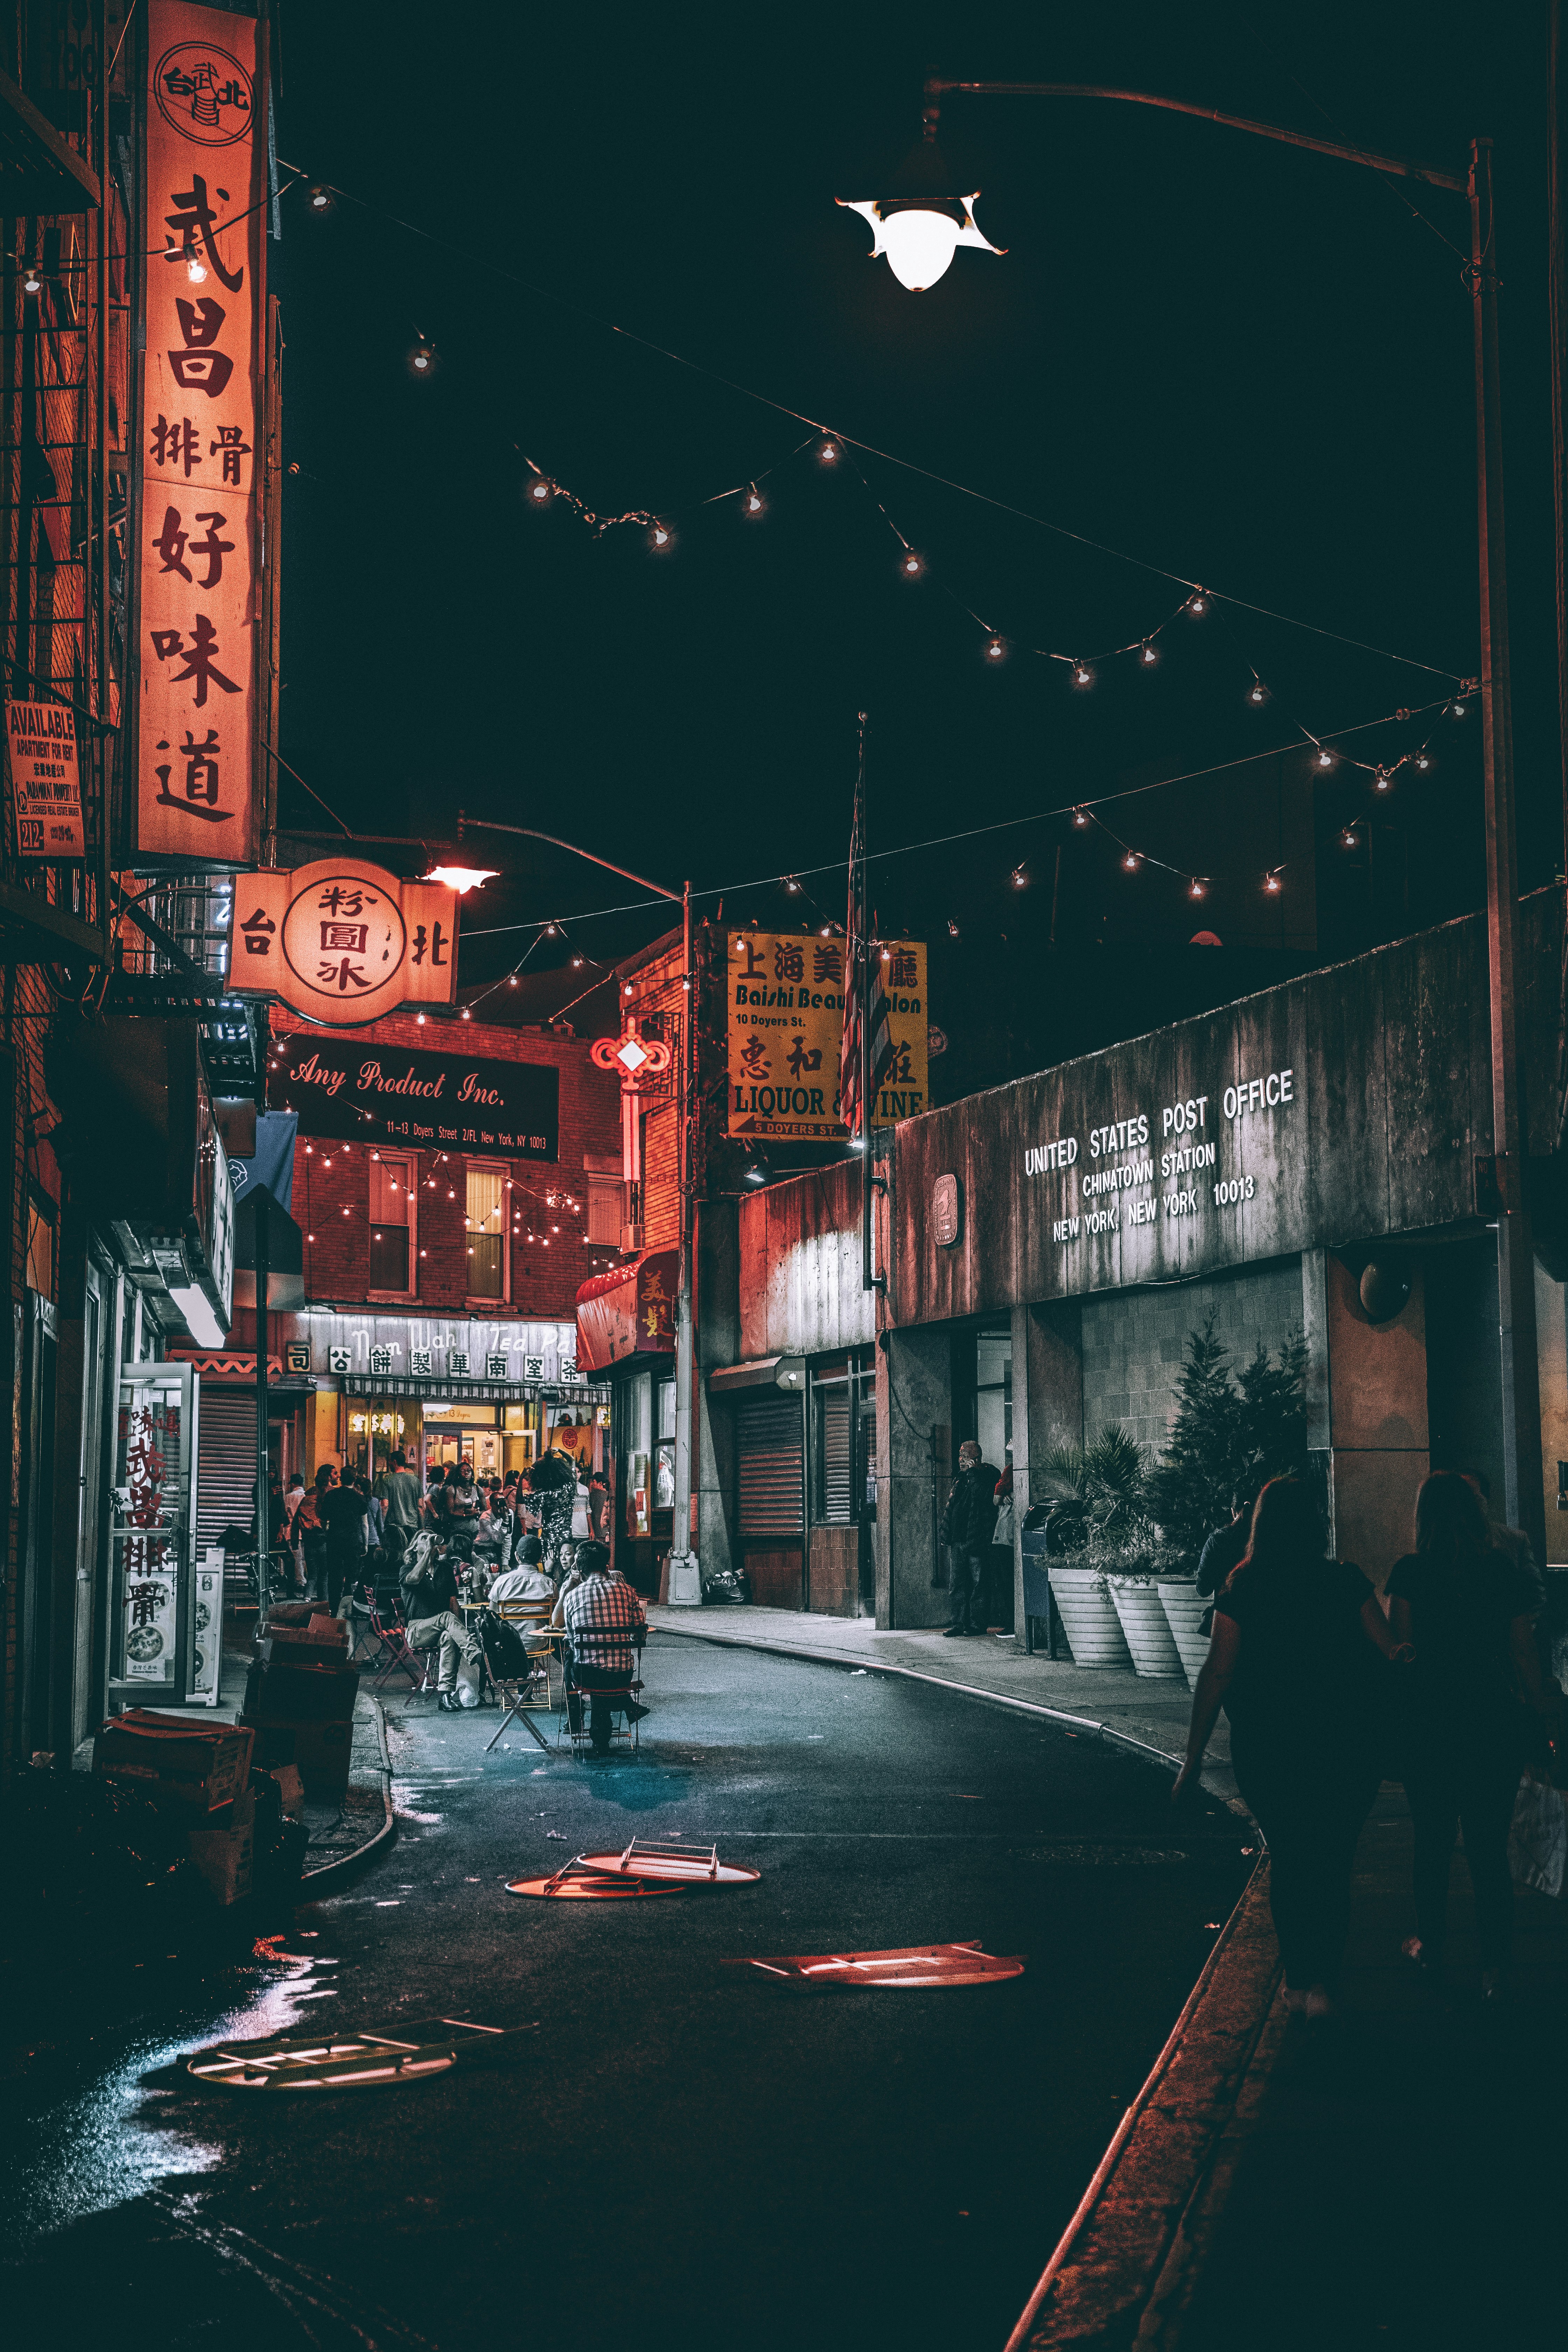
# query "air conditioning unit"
(631, 1237)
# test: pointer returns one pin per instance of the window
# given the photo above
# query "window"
(994, 1394)
(843, 1442)
(606, 1210)
(489, 1254)
(393, 1197)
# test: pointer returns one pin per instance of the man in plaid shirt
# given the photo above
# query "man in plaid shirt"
(600, 1612)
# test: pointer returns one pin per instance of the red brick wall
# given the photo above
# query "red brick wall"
(547, 1272)
(657, 990)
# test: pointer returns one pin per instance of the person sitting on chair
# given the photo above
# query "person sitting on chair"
(430, 1584)
(526, 1580)
(600, 1613)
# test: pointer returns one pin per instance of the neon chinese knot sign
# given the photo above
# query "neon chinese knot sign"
(344, 942)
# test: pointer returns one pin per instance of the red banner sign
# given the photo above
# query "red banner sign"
(199, 529)
(628, 1311)
(344, 942)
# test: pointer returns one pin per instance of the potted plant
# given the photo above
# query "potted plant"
(1185, 1612)
(1092, 1499)
(1134, 1568)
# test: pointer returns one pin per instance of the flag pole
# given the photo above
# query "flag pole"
(861, 950)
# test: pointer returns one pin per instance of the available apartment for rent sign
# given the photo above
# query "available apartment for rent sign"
(46, 784)
(198, 531)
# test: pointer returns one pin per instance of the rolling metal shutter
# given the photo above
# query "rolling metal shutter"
(837, 1502)
(769, 1444)
(225, 1460)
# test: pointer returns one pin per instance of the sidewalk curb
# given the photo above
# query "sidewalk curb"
(332, 1874)
(1122, 2272)
(1075, 1723)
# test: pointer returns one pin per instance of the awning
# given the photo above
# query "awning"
(628, 1311)
(786, 1372)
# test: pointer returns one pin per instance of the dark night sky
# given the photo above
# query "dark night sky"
(1242, 362)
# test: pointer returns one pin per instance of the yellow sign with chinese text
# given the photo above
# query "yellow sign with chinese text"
(784, 1023)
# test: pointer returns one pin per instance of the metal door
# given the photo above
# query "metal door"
(86, 1701)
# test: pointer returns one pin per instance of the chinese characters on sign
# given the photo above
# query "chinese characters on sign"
(199, 528)
(148, 1462)
(344, 942)
(46, 784)
(785, 1025)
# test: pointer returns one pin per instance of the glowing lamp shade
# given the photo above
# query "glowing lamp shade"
(920, 240)
(462, 878)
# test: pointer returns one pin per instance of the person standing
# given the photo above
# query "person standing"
(400, 1495)
(553, 1488)
(1465, 1603)
(291, 1503)
(1293, 1660)
(342, 1516)
(966, 1525)
(999, 1608)
(312, 1530)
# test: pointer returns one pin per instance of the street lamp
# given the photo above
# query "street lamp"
(920, 230)
(924, 249)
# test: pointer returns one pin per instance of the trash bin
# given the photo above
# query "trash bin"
(1039, 1608)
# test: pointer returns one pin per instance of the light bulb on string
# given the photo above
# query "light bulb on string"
(1272, 884)
(661, 537)
(1131, 860)
(511, 980)
(32, 278)
(1423, 760)
(1383, 780)
(1197, 888)
(1348, 838)
(910, 565)
(753, 505)
(1150, 654)
(1081, 674)
(1325, 758)
(318, 200)
(541, 492)
(952, 929)
(1455, 708)
(466, 1014)
(1081, 818)
(576, 963)
(995, 649)
(827, 452)
(419, 1020)
(1019, 878)
(1198, 602)
(195, 269)
(422, 359)
(1258, 692)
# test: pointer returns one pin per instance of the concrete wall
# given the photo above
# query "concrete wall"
(1134, 1341)
(801, 1267)
(914, 1447)
(1553, 1346)
(718, 1342)
(1377, 1418)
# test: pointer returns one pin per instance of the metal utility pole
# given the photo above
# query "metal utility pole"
(1525, 1500)
(263, 1530)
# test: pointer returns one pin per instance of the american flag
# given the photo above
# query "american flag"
(866, 1006)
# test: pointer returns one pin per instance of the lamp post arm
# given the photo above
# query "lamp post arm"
(1401, 165)
(487, 825)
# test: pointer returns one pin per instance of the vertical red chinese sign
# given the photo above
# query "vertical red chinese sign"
(199, 529)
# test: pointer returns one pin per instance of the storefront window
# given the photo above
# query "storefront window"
(638, 1406)
(373, 1431)
(664, 1450)
(487, 1233)
(843, 1441)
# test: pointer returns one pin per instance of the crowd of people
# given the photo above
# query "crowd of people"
(1330, 1689)
(539, 1536)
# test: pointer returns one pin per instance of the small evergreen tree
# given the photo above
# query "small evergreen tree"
(1228, 1435)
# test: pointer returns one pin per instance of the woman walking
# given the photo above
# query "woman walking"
(1292, 1659)
(552, 1489)
(1465, 1606)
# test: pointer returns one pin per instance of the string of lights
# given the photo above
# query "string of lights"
(323, 195)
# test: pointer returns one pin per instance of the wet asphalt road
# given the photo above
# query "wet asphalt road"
(684, 2152)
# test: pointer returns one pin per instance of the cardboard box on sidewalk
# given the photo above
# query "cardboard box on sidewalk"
(274, 1743)
(301, 1645)
(225, 1859)
(325, 1628)
(291, 1789)
(172, 1759)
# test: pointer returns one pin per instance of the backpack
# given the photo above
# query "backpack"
(506, 1653)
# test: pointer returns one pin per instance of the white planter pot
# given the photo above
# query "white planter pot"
(1184, 1611)
(1093, 1629)
(1142, 1615)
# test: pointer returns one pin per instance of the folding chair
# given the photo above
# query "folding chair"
(398, 1653)
(517, 1693)
(619, 1698)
